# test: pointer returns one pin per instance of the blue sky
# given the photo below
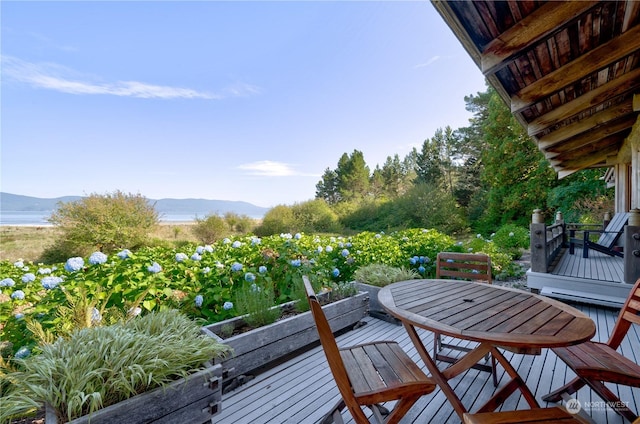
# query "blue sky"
(242, 100)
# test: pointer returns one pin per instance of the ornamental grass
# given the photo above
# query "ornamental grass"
(100, 366)
(381, 275)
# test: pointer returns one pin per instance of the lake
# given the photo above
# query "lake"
(39, 218)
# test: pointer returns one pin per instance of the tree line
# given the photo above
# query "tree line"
(480, 177)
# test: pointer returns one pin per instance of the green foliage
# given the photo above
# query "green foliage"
(98, 367)
(104, 222)
(512, 239)
(210, 229)
(256, 304)
(501, 262)
(382, 275)
(583, 197)
(314, 216)
(277, 220)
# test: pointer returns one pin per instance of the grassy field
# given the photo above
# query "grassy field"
(28, 242)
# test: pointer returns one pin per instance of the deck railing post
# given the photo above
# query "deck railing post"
(538, 240)
(632, 248)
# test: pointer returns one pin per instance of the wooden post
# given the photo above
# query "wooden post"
(632, 248)
(538, 240)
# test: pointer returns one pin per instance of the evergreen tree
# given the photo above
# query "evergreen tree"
(353, 177)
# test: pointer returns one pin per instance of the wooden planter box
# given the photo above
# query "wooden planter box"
(262, 346)
(375, 307)
(194, 400)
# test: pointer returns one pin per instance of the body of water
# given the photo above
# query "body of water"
(39, 218)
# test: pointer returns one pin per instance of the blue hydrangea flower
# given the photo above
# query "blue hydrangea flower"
(450, 261)
(196, 257)
(335, 272)
(470, 249)
(478, 235)
(329, 249)
(7, 282)
(412, 260)
(319, 249)
(23, 352)
(298, 236)
(200, 250)
(27, 278)
(262, 269)
(340, 245)
(349, 244)
(206, 270)
(74, 264)
(51, 282)
(344, 253)
(255, 288)
(124, 254)
(421, 269)
(219, 265)
(236, 266)
(227, 306)
(226, 240)
(18, 264)
(255, 241)
(208, 248)
(18, 294)
(296, 262)
(181, 257)
(155, 268)
(378, 236)
(19, 315)
(286, 236)
(249, 277)
(97, 258)
(44, 271)
(511, 234)
(198, 301)
(236, 244)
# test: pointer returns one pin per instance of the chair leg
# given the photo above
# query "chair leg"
(494, 372)
(569, 388)
(612, 400)
(401, 408)
(335, 414)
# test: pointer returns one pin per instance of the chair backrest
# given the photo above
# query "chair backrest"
(468, 266)
(628, 315)
(614, 229)
(330, 347)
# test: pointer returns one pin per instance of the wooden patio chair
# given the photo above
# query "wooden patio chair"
(607, 240)
(598, 363)
(369, 374)
(465, 266)
(554, 414)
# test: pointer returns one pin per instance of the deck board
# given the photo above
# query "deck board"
(301, 389)
(597, 266)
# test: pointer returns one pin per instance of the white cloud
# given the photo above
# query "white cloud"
(267, 168)
(58, 78)
(428, 62)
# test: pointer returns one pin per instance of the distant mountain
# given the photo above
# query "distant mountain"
(196, 207)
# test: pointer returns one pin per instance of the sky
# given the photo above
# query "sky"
(237, 100)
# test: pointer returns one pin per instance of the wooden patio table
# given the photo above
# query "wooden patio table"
(491, 315)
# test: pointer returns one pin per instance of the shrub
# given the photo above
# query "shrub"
(276, 221)
(210, 229)
(104, 222)
(381, 275)
(512, 239)
(256, 302)
(314, 216)
(240, 224)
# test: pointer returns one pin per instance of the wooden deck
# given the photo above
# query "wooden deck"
(597, 266)
(598, 279)
(301, 390)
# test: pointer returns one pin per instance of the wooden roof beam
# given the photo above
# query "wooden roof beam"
(586, 124)
(627, 82)
(587, 160)
(529, 31)
(584, 149)
(588, 63)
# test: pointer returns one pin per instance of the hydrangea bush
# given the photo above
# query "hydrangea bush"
(204, 281)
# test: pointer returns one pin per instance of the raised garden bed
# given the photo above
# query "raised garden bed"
(262, 346)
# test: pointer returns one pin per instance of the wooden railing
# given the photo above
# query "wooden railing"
(546, 243)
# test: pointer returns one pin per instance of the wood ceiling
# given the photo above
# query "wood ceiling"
(568, 70)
